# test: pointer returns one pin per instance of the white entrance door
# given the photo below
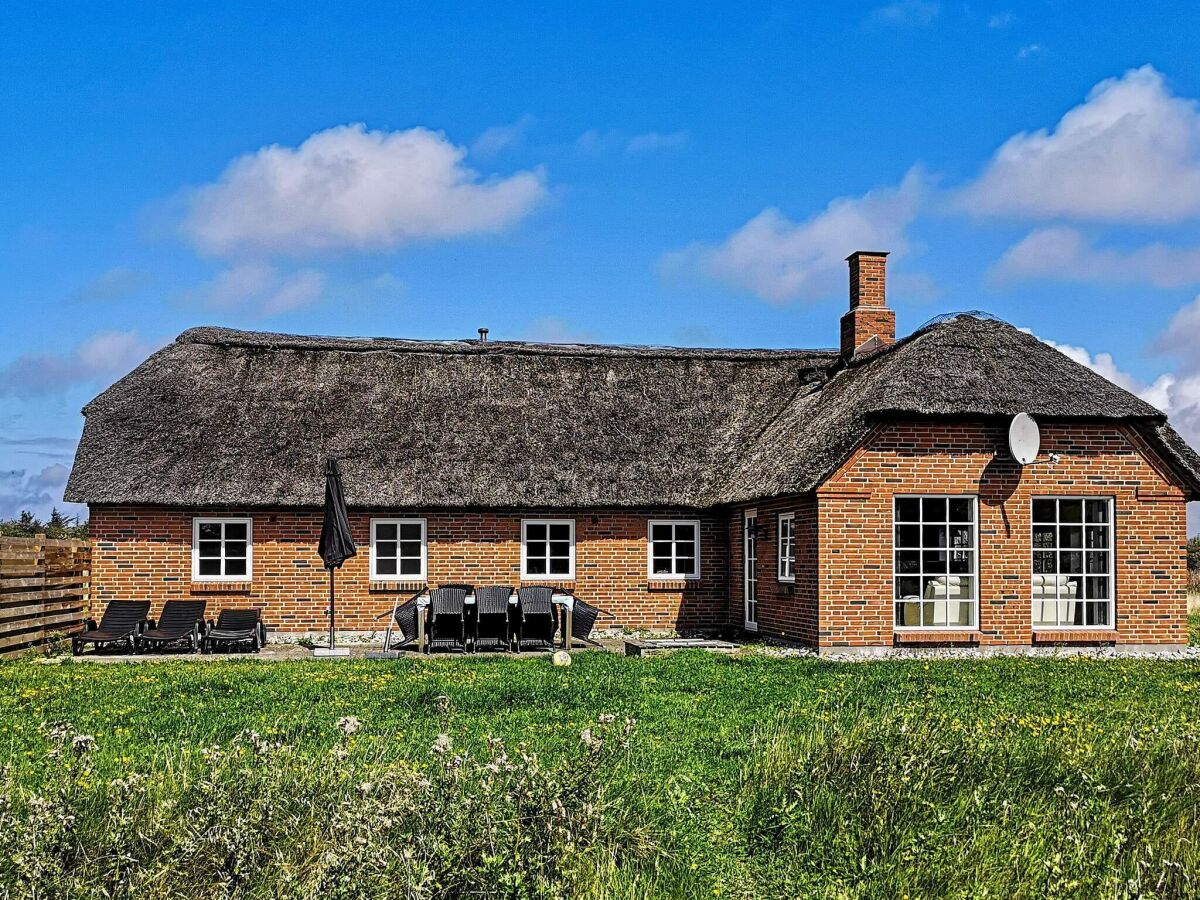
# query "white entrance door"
(750, 570)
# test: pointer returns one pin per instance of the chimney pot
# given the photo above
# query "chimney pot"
(869, 316)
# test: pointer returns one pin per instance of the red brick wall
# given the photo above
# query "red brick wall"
(855, 514)
(145, 552)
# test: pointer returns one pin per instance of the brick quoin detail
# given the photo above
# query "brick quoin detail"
(146, 553)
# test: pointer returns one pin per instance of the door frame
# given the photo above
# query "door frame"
(750, 569)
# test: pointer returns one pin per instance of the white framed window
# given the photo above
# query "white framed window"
(787, 547)
(222, 549)
(398, 550)
(674, 548)
(935, 561)
(1072, 546)
(548, 549)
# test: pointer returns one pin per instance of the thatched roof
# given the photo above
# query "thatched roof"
(225, 417)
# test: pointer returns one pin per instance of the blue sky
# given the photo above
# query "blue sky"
(664, 173)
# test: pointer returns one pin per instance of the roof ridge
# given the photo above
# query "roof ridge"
(267, 340)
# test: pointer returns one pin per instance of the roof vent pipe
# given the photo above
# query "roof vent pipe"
(483, 333)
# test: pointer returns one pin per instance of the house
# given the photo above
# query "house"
(851, 498)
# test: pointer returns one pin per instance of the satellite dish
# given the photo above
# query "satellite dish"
(1024, 438)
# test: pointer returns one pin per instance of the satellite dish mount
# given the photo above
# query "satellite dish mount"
(1025, 441)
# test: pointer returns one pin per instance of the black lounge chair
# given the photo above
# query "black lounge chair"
(536, 621)
(583, 619)
(235, 626)
(491, 618)
(121, 622)
(181, 620)
(447, 620)
(402, 626)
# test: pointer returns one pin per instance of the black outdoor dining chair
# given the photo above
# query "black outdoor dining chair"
(535, 618)
(491, 618)
(121, 621)
(181, 620)
(235, 626)
(583, 619)
(402, 626)
(465, 588)
(447, 620)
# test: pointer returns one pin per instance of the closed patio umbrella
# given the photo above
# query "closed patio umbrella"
(337, 544)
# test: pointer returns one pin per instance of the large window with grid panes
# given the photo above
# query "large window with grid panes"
(935, 557)
(1072, 544)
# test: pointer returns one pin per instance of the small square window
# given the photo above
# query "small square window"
(674, 548)
(221, 549)
(548, 548)
(398, 549)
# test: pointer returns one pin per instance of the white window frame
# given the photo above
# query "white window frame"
(197, 521)
(780, 574)
(525, 574)
(399, 522)
(974, 573)
(1112, 561)
(673, 575)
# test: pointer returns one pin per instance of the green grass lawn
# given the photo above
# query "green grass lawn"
(743, 777)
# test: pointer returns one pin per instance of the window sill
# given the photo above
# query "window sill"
(672, 584)
(936, 636)
(222, 587)
(1074, 636)
(396, 587)
(547, 582)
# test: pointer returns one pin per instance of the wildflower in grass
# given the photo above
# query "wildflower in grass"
(442, 744)
(349, 725)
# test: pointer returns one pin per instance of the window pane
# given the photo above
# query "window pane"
(385, 566)
(685, 532)
(410, 549)
(411, 531)
(235, 548)
(210, 531)
(385, 548)
(235, 567)
(1045, 613)
(908, 614)
(535, 532)
(1097, 614)
(1097, 563)
(560, 548)
(908, 561)
(1043, 535)
(660, 532)
(1044, 563)
(559, 566)
(933, 509)
(960, 536)
(961, 562)
(959, 613)
(933, 588)
(960, 509)
(661, 549)
(908, 535)
(1071, 563)
(685, 548)
(385, 531)
(1097, 588)
(933, 536)
(662, 566)
(934, 561)
(1043, 510)
(410, 566)
(1097, 510)
(1070, 510)
(908, 509)
(235, 531)
(1045, 587)
(685, 565)
(1070, 536)
(535, 548)
(560, 531)
(961, 587)
(535, 566)
(210, 567)
(210, 549)
(908, 587)
(1097, 536)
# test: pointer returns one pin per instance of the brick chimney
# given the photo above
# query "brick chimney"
(869, 319)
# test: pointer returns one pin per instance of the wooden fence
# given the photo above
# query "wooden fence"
(44, 590)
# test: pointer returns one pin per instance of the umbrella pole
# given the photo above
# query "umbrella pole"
(331, 626)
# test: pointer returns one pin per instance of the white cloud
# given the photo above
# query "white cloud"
(100, 359)
(347, 188)
(1131, 152)
(114, 284)
(1060, 253)
(38, 492)
(654, 141)
(495, 140)
(780, 260)
(260, 288)
(905, 12)
(1029, 51)
(557, 330)
(1001, 20)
